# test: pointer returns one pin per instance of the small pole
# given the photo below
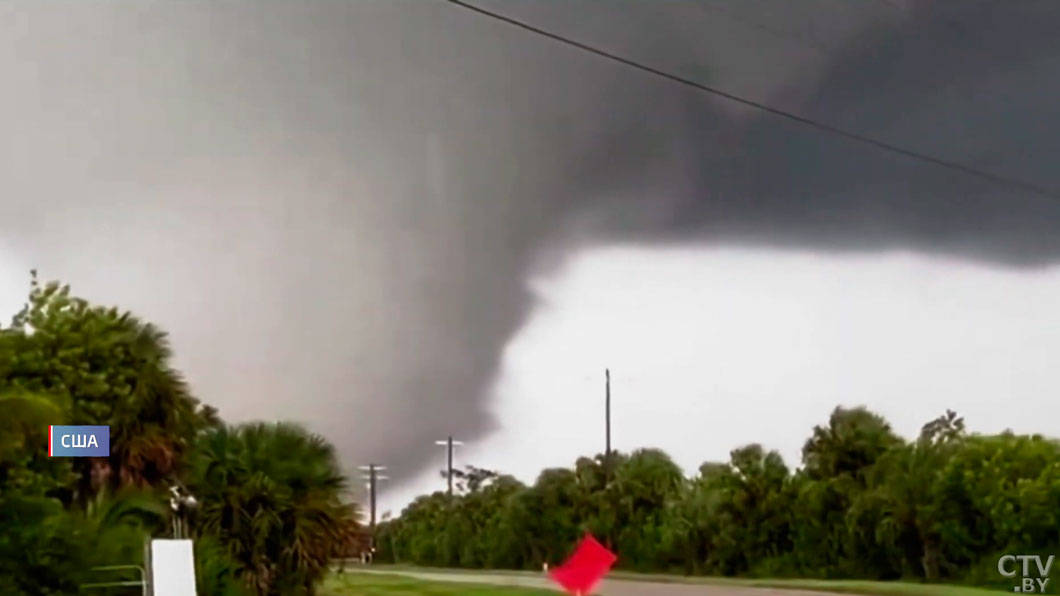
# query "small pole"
(607, 411)
(449, 475)
(373, 480)
(371, 490)
(607, 433)
(449, 443)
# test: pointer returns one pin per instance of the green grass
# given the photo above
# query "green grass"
(860, 587)
(868, 588)
(364, 584)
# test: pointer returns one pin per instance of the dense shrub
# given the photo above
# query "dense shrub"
(864, 504)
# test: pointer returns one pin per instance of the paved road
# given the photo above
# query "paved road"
(608, 588)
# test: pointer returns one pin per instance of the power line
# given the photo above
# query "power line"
(853, 136)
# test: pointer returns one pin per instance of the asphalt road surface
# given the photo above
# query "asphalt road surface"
(607, 588)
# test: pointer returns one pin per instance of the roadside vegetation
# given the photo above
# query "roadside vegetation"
(865, 504)
(272, 513)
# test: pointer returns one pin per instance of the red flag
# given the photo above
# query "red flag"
(585, 568)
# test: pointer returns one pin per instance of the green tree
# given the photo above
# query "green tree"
(24, 463)
(273, 517)
(46, 550)
(546, 515)
(216, 573)
(644, 486)
(906, 485)
(837, 460)
(272, 494)
(752, 514)
(112, 369)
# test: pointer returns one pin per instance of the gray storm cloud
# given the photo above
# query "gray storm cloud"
(333, 206)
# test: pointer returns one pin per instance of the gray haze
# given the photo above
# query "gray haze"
(333, 206)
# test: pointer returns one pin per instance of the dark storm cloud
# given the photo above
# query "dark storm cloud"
(973, 83)
(260, 178)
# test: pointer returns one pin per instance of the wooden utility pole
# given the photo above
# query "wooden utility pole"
(449, 464)
(607, 412)
(371, 496)
(373, 479)
(607, 439)
(449, 444)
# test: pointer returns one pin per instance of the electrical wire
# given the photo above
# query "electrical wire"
(853, 136)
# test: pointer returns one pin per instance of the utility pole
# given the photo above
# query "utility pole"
(373, 479)
(607, 439)
(607, 426)
(449, 443)
(607, 412)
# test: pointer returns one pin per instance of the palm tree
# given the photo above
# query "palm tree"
(154, 424)
(114, 370)
(27, 416)
(272, 494)
(24, 422)
(116, 525)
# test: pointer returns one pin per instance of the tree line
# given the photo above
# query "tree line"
(273, 503)
(865, 503)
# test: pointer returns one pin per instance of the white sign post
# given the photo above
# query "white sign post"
(172, 568)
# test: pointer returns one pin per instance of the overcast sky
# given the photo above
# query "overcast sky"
(711, 349)
(396, 220)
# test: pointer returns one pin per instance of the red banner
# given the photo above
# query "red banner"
(584, 569)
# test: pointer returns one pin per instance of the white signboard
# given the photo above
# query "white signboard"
(172, 568)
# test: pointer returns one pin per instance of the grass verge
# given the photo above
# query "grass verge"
(859, 587)
(868, 588)
(364, 584)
